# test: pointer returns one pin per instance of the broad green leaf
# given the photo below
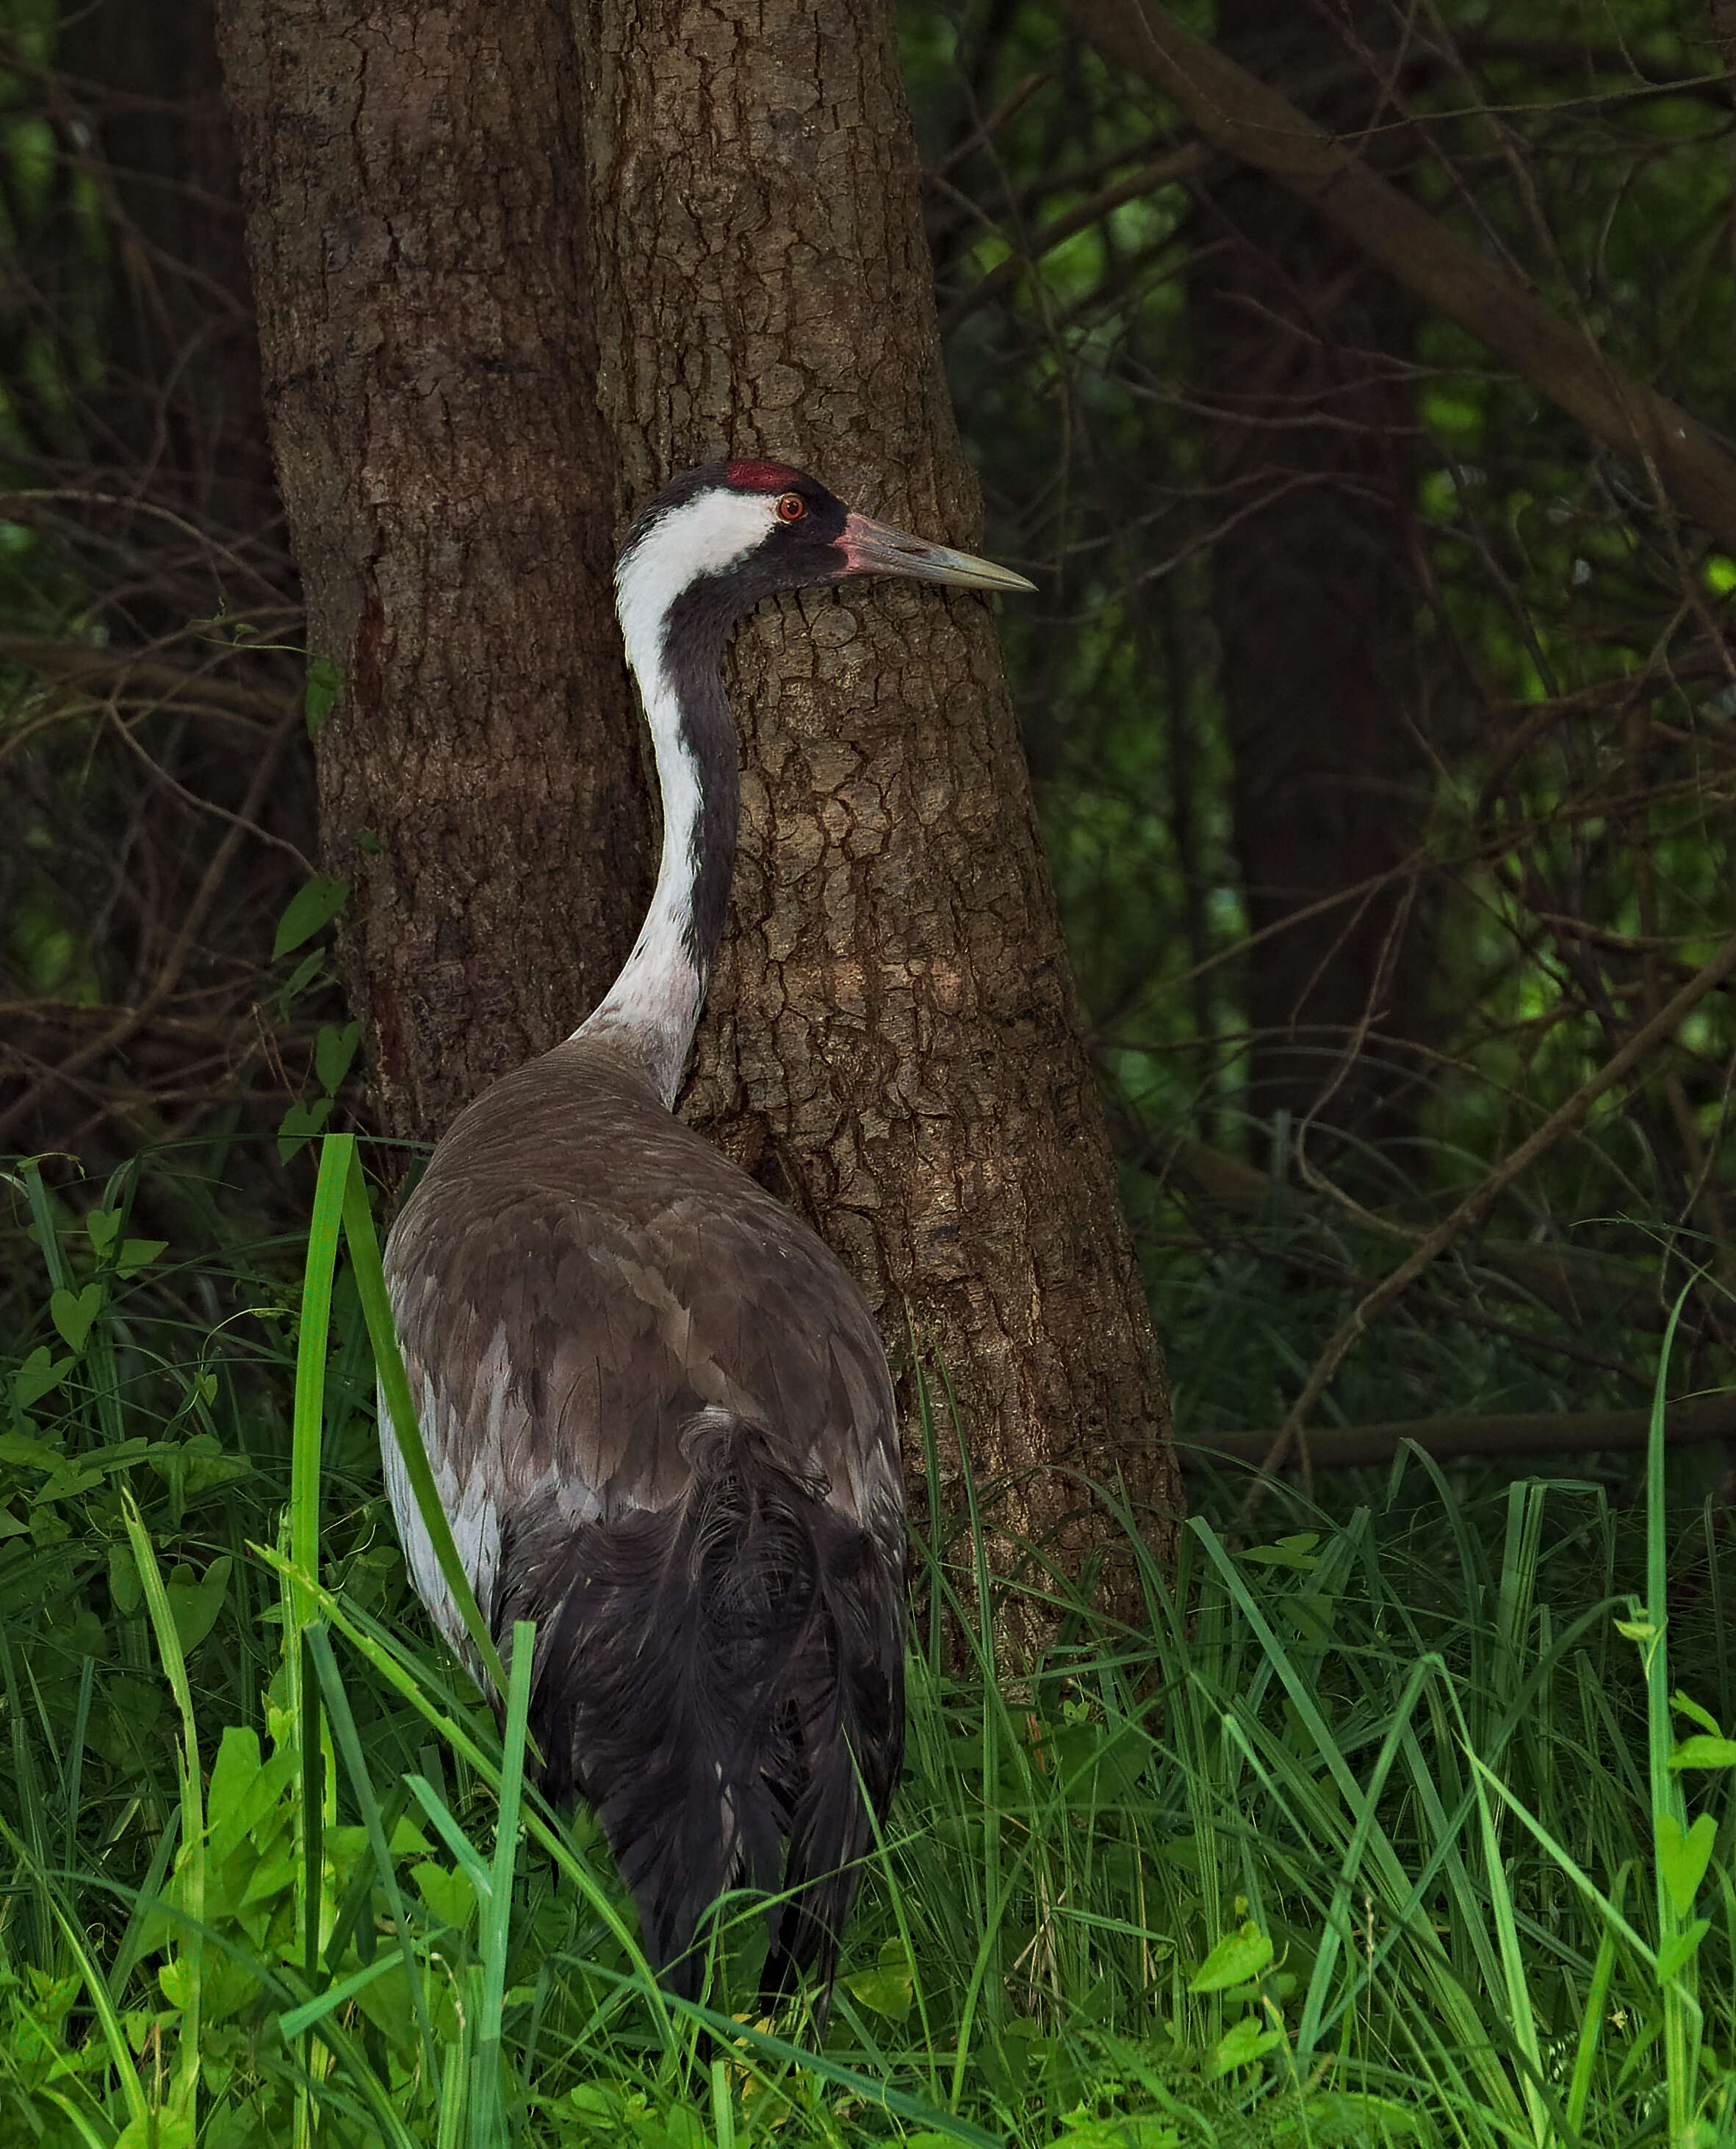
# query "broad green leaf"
(1703, 1752)
(1683, 1857)
(233, 1773)
(334, 1050)
(195, 1601)
(882, 1992)
(888, 1988)
(100, 1227)
(449, 1895)
(226, 1986)
(1293, 1552)
(24, 1453)
(1674, 1957)
(1237, 1960)
(312, 907)
(39, 1374)
(299, 1125)
(324, 678)
(73, 1312)
(1684, 1705)
(678, 2128)
(1242, 2043)
(157, 2129)
(1129, 2130)
(136, 1254)
(1311, 1614)
(125, 1590)
(194, 1465)
(385, 2001)
(1097, 1764)
(299, 977)
(257, 1806)
(272, 1877)
(1351, 2118)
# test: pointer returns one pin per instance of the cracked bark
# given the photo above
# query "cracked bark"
(891, 1040)
(418, 235)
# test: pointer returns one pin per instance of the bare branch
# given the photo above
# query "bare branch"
(1478, 1204)
(1694, 466)
(1529, 1432)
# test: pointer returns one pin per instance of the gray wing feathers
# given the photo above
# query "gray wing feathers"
(568, 1305)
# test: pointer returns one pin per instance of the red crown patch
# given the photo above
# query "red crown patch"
(763, 477)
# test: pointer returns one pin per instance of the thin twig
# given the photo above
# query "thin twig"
(1480, 1199)
(168, 975)
(1149, 179)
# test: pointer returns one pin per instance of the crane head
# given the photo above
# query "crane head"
(727, 534)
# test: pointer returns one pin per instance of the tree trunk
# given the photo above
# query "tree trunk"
(419, 238)
(891, 1040)
(1299, 346)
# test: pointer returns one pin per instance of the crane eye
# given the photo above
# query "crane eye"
(791, 507)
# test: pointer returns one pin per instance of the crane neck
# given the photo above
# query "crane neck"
(675, 651)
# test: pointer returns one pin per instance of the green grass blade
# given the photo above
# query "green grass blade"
(297, 2022)
(193, 1821)
(114, 2036)
(337, 1160)
(1591, 2026)
(882, 2095)
(488, 2118)
(475, 1866)
(317, 1784)
(1521, 2011)
(348, 1744)
(1682, 2018)
(387, 1658)
(364, 1247)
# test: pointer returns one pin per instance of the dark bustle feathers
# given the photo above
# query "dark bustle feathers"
(717, 1674)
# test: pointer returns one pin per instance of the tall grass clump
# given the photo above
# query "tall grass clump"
(1414, 1826)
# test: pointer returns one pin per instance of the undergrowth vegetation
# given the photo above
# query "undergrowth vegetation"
(1402, 1810)
(1411, 1825)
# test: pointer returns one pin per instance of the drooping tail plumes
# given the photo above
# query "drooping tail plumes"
(722, 1680)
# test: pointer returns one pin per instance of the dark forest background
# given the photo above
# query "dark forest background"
(1381, 719)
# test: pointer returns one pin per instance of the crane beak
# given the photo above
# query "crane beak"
(873, 548)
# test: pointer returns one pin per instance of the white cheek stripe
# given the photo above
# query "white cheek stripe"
(703, 538)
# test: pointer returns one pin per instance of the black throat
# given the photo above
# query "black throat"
(699, 625)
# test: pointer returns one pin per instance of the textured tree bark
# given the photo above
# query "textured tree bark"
(419, 238)
(891, 1040)
(1298, 344)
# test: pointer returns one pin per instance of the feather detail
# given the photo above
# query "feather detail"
(658, 1412)
(714, 1678)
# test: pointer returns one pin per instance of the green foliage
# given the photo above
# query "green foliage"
(1395, 1828)
(1413, 1827)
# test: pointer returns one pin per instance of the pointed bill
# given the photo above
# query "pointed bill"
(874, 548)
